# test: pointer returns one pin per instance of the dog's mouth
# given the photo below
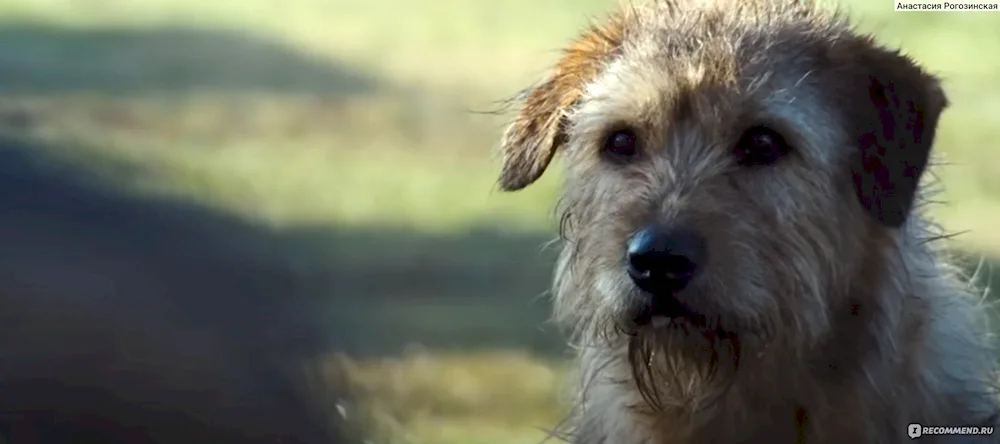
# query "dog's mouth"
(660, 307)
(663, 311)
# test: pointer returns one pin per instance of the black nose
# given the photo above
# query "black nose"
(664, 259)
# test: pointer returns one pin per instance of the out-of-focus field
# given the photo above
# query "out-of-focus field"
(355, 129)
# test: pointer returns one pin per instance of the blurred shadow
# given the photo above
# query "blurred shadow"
(127, 320)
(42, 60)
(479, 289)
(140, 319)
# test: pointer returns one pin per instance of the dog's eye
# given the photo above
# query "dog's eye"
(760, 145)
(621, 143)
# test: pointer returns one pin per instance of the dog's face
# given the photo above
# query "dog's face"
(727, 164)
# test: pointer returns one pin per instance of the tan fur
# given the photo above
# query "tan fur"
(539, 129)
(843, 323)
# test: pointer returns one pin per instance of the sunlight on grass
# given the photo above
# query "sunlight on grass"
(487, 398)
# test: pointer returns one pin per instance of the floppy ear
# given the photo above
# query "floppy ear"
(539, 129)
(895, 118)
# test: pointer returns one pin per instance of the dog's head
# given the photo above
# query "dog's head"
(728, 163)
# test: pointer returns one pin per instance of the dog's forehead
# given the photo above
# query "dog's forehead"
(740, 50)
(739, 70)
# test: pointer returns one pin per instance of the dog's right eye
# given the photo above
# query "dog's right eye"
(621, 144)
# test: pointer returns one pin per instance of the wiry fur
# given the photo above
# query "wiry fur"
(830, 316)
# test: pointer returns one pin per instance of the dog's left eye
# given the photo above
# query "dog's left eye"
(621, 144)
(760, 145)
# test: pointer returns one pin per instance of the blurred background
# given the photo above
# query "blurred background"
(361, 133)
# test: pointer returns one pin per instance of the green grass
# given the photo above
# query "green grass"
(350, 126)
(269, 109)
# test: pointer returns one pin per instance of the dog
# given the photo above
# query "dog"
(140, 320)
(746, 257)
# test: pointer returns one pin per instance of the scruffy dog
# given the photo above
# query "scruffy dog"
(744, 256)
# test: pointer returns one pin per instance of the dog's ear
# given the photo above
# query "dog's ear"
(895, 117)
(539, 129)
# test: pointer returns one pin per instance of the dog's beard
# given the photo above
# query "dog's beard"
(677, 363)
(678, 358)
